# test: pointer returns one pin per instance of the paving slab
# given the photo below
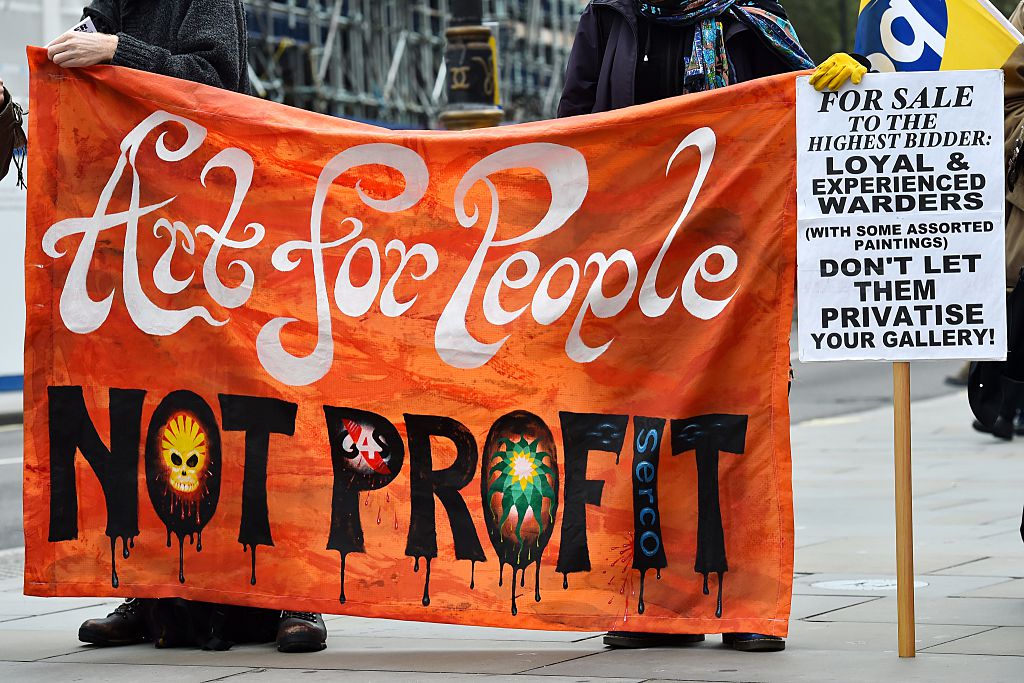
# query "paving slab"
(998, 537)
(288, 676)
(377, 628)
(806, 606)
(964, 611)
(63, 620)
(28, 646)
(17, 605)
(877, 555)
(362, 654)
(881, 638)
(1008, 529)
(1005, 641)
(48, 672)
(1003, 565)
(715, 664)
(936, 585)
(1013, 588)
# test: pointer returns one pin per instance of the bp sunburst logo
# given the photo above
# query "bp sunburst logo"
(519, 486)
(523, 482)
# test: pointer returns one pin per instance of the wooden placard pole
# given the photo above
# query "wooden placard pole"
(904, 510)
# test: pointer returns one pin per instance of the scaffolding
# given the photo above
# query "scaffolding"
(382, 61)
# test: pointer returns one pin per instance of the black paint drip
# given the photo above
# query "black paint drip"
(640, 606)
(198, 543)
(522, 582)
(721, 578)
(501, 575)
(416, 564)
(181, 559)
(125, 541)
(245, 547)
(426, 585)
(472, 575)
(125, 553)
(341, 597)
(565, 581)
(113, 563)
(515, 610)
(718, 611)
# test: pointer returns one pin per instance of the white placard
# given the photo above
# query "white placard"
(900, 218)
(84, 26)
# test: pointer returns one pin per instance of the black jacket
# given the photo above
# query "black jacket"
(195, 40)
(606, 69)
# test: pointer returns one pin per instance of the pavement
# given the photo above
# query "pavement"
(970, 602)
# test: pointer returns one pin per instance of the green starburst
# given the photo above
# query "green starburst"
(522, 482)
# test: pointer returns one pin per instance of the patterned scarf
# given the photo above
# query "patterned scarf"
(708, 67)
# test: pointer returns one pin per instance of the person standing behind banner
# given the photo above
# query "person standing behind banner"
(630, 52)
(202, 41)
(997, 401)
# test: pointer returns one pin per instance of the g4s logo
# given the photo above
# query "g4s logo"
(903, 35)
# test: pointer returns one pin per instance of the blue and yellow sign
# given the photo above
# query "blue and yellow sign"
(933, 35)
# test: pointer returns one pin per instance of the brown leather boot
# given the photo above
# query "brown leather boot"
(301, 632)
(126, 625)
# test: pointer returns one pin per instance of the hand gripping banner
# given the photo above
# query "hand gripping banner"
(531, 376)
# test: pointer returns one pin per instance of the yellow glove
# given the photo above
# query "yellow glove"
(837, 70)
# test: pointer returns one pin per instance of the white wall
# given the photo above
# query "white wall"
(30, 22)
(22, 23)
(12, 279)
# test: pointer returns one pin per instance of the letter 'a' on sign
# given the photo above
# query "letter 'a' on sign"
(900, 206)
(280, 359)
(904, 35)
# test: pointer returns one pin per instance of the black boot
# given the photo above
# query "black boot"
(1003, 427)
(301, 632)
(634, 640)
(753, 642)
(126, 625)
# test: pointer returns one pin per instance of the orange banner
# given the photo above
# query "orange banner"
(531, 376)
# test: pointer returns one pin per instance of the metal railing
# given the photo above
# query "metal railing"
(382, 61)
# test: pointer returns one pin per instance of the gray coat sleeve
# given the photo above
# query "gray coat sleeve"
(209, 40)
